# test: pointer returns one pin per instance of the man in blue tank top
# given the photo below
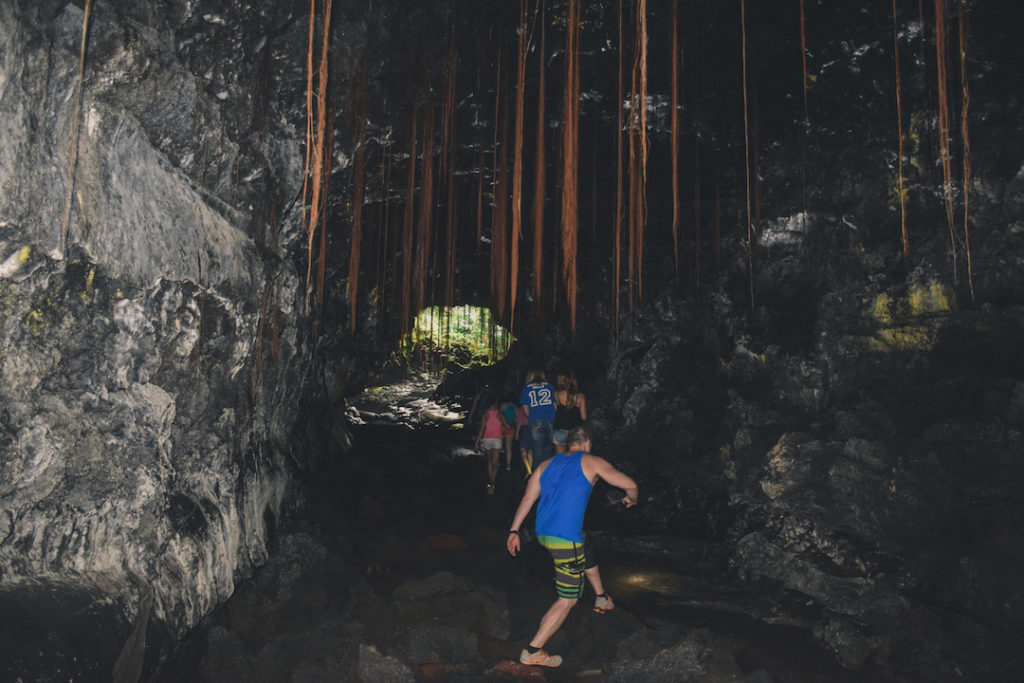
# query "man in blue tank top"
(563, 485)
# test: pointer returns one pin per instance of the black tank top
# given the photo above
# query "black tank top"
(567, 417)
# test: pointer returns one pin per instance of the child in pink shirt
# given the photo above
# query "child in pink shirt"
(492, 427)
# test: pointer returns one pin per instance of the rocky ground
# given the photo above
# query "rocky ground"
(397, 572)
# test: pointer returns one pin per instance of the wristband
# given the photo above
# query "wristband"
(513, 531)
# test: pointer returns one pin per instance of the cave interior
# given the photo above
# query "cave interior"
(259, 258)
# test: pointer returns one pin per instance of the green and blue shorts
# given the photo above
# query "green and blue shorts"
(571, 559)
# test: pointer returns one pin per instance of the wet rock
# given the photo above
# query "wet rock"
(789, 465)
(377, 668)
(1015, 408)
(851, 645)
(456, 601)
(987, 580)
(871, 454)
(286, 589)
(429, 587)
(441, 644)
(324, 653)
(226, 657)
(638, 645)
(683, 662)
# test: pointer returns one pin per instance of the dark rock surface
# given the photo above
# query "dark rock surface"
(868, 465)
(835, 424)
(154, 372)
(398, 572)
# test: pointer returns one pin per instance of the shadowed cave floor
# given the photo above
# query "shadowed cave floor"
(397, 571)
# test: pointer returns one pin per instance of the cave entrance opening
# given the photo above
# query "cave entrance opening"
(449, 339)
(456, 343)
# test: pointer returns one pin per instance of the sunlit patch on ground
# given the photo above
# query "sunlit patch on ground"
(629, 581)
(407, 402)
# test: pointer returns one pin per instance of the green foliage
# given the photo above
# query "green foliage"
(467, 336)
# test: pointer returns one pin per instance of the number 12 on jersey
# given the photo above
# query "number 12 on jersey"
(540, 397)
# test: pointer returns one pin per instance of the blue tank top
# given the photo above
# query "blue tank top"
(564, 492)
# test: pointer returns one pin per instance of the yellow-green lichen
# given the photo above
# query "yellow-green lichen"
(910, 322)
(34, 321)
(917, 123)
(894, 193)
(87, 292)
(39, 318)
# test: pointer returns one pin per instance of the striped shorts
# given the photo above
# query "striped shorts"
(571, 559)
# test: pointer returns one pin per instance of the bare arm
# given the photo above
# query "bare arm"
(472, 411)
(582, 403)
(480, 434)
(525, 505)
(595, 467)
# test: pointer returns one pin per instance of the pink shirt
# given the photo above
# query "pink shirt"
(522, 416)
(492, 425)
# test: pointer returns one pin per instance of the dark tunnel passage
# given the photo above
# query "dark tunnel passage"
(266, 266)
(402, 543)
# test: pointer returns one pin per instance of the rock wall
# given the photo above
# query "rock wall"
(161, 384)
(844, 425)
(155, 374)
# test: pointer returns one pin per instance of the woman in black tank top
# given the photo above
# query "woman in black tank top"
(570, 410)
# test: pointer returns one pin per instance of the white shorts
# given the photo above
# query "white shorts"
(490, 444)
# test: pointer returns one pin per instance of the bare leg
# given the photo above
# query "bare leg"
(551, 620)
(594, 577)
(508, 452)
(527, 456)
(492, 464)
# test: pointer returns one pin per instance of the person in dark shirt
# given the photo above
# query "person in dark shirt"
(509, 410)
(476, 411)
(570, 410)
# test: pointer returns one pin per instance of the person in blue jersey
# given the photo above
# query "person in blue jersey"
(563, 485)
(539, 398)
